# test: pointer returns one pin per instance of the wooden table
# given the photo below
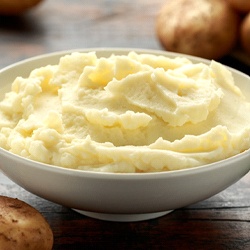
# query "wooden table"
(221, 222)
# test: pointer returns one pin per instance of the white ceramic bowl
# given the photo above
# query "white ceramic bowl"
(119, 197)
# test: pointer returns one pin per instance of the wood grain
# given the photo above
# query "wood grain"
(220, 222)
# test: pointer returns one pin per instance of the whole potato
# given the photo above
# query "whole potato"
(245, 33)
(240, 5)
(22, 227)
(14, 7)
(205, 28)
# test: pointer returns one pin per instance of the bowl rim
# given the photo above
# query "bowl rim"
(110, 175)
(125, 176)
(120, 50)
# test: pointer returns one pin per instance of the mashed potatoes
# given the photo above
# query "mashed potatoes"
(133, 113)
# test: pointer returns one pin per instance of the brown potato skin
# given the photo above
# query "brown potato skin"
(240, 5)
(22, 227)
(245, 33)
(15, 7)
(204, 28)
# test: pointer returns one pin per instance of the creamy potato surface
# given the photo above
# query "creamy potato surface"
(125, 113)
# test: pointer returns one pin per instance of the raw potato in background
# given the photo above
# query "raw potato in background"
(14, 7)
(245, 33)
(205, 28)
(22, 227)
(240, 5)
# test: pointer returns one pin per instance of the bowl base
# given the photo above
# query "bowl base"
(123, 217)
